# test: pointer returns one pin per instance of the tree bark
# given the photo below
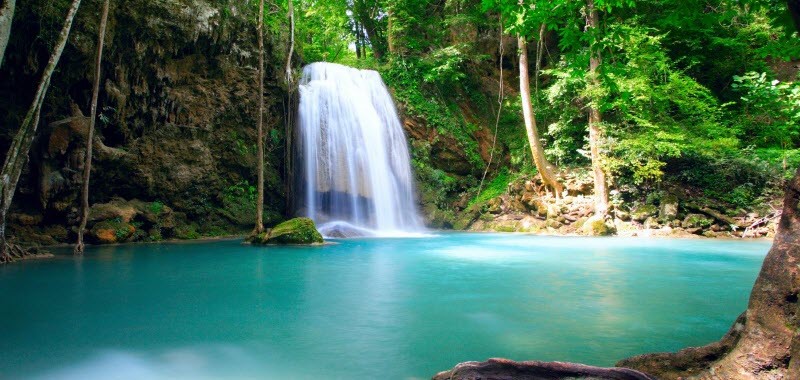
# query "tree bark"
(260, 199)
(764, 343)
(291, 45)
(17, 155)
(6, 19)
(596, 118)
(358, 40)
(542, 165)
(87, 160)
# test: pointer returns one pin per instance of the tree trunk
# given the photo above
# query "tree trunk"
(17, 155)
(542, 165)
(358, 40)
(87, 160)
(389, 35)
(6, 19)
(764, 343)
(260, 199)
(596, 118)
(291, 45)
(366, 13)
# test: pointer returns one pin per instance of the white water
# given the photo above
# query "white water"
(353, 162)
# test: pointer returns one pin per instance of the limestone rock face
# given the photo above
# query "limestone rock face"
(298, 231)
(503, 369)
(176, 123)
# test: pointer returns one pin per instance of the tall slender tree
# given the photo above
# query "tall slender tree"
(87, 160)
(17, 155)
(595, 116)
(260, 198)
(6, 19)
(542, 164)
(291, 45)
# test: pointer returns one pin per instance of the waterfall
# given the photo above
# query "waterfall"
(353, 167)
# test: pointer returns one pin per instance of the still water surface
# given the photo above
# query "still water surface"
(365, 309)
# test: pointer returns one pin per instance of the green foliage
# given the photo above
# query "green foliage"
(787, 160)
(187, 232)
(685, 89)
(770, 110)
(240, 191)
(239, 203)
(429, 104)
(444, 65)
(156, 207)
(325, 28)
(494, 188)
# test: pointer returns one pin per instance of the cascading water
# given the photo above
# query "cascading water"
(353, 166)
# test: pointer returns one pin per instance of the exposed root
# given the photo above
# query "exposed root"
(13, 252)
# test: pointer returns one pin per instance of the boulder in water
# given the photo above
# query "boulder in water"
(291, 232)
(598, 226)
(341, 229)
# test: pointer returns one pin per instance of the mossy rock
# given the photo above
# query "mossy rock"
(641, 213)
(187, 232)
(668, 209)
(696, 221)
(112, 231)
(290, 232)
(597, 226)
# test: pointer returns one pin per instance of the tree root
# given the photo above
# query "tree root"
(14, 252)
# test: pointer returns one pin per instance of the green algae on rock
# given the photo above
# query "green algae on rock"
(297, 231)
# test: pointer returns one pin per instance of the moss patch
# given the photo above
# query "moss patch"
(293, 231)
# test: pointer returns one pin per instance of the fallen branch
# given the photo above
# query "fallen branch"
(761, 221)
(716, 215)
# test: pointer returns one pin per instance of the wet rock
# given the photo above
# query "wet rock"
(298, 231)
(696, 221)
(668, 209)
(622, 215)
(553, 211)
(598, 226)
(641, 213)
(651, 222)
(494, 206)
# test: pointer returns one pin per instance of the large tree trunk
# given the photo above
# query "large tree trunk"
(260, 199)
(542, 165)
(87, 160)
(764, 343)
(6, 19)
(596, 118)
(17, 155)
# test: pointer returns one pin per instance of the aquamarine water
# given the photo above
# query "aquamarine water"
(365, 309)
